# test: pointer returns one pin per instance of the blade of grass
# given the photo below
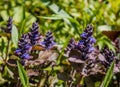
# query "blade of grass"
(108, 76)
(22, 27)
(23, 75)
(23, 5)
(65, 44)
(66, 17)
(54, 17)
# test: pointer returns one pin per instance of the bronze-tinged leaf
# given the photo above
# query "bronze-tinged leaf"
(44, 55)
(101, 57)
(75, 56)
(75, 53)
(12, 61)
(41, 48)
(47, 55)
(117, 44)
(94, 54)
(53, 56)
(112, 34)
(54, 48)
(89, 82)
(117, 66)
(116, 69)
(64, 76)
(31, 72)
(75, 60)
(32, 63)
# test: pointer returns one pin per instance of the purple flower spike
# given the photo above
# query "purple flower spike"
(9, 25)
(24, 47)
(86, 44)
(34, 34)
(84, 35)
(71, 45)
(89, 30)
(109, 56)
(48, 42)
(81, 51)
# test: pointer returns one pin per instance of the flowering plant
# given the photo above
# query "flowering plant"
(79, 49)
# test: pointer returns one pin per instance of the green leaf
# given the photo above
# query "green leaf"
(56, 9)
(108, 76)
(18, 14)
(14, 36)
(22, 27)
(23, 75)
(29, 19)
(54, 17)
(100, 44)
(104, 28)
(110, 46)
(8, 72)
(62, 14)
(4, 15)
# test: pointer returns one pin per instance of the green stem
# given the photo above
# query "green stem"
(23, 4)
(7, 51)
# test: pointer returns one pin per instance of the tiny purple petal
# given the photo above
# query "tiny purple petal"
(18, 51)
(42, 43)
(91, 49)
(81, 42)
(27, 47)
(92, 40)
(84, 35)
(25, 56)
